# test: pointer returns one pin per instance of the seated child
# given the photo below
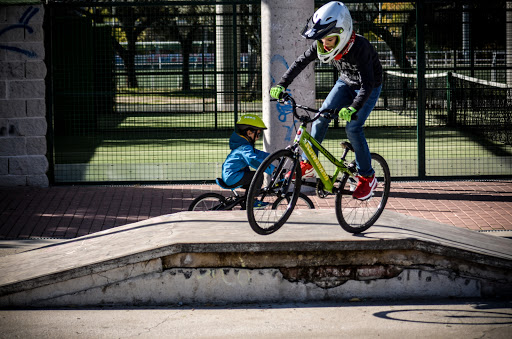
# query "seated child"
(236, 168)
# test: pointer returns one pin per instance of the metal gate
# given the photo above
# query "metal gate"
(146, 92)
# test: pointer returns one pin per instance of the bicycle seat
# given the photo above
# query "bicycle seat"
(222, 184)
(347, 144)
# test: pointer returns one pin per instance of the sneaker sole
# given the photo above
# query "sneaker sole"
(309, 174)
(373, 186)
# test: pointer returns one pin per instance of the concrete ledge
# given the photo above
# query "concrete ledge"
(194, 257)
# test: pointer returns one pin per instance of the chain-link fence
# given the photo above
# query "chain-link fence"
(145, 92)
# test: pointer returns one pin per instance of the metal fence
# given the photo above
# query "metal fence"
(145, 92)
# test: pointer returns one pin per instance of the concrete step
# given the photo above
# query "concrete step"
(193, 257)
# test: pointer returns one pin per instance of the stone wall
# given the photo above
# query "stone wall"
(23, 123)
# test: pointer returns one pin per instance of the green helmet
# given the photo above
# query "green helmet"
(250, 121)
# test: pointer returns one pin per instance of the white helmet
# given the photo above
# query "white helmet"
(332, 19)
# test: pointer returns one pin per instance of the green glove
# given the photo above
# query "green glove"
(346, 113)
(277, 91)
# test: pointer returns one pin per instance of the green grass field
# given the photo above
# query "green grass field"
(192, 146)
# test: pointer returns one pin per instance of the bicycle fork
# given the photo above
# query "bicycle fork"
(278, 175)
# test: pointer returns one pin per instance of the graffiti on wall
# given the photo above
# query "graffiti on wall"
(23, 24)
(285, 111)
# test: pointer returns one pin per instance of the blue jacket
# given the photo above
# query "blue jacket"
(243, 155)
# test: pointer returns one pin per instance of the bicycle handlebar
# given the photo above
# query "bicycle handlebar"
(306, 118)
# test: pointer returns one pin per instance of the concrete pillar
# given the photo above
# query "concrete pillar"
(281, 43)
(509, 42)
(225, 60)
(22, 97)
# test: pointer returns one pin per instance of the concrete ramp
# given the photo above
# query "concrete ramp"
(215, 257)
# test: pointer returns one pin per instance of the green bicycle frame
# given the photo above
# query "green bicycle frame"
(305, 140)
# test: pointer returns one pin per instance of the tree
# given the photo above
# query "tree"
(185, 25)
(391, 22)
(132, 21)
(250, 17)
(395, 23)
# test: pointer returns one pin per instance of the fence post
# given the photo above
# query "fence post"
(450, 105)
(509, 43)
(420, 71)
(225, 51)
(281, 44)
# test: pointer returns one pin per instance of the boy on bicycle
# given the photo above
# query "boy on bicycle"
(236, 168)
(357, 89)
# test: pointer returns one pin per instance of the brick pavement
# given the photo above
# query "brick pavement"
(73, 211)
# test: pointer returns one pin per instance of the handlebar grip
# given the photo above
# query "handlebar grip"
(284, 96)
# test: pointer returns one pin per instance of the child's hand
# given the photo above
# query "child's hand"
(277, 91)
(346, 113)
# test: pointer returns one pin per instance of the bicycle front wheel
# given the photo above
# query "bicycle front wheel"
(356, 216)
(208, 202)
(265, 212)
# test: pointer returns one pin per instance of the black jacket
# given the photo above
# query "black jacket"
(360, 68)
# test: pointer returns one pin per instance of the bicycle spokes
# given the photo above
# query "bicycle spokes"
(265, 208)
(356, 215)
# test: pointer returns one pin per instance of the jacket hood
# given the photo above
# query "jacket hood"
(236, 140)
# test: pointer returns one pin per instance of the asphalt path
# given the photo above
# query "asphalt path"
(349, 319)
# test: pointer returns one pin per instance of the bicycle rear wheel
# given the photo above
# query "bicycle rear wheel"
(356, 216)
(264, 211)
(208, 202)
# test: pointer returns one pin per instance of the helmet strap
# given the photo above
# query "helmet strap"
(347, 47)
(246, 136)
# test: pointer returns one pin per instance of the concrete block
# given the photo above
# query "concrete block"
(30, 126)
(36, 108)
(12, 70)
(12, 108)
(228, 285)
(38, 180)
(13, 180)
(9, 35)
(27, 51)
(36, 145)
(3, 90)
(4, 165)
(4, 127)
(12, 146)
(35, 69)
(13, 14)
(3, 14)
(28, 165)
(36, 35)
(28, 89)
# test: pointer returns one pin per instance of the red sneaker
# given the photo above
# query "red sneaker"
(365, 187)
(307, 171)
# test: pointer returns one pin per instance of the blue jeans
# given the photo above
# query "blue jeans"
(342, 95)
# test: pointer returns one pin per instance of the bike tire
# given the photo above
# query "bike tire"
(266, 189)
(356, 216)
(303, 201)
(208, 202)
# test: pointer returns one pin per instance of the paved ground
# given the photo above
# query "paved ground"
(71, 211)
(428, 319)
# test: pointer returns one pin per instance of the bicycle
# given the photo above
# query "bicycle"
(354, 216)
(217, 202)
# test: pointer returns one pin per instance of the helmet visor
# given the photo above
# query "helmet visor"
(317, 30)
